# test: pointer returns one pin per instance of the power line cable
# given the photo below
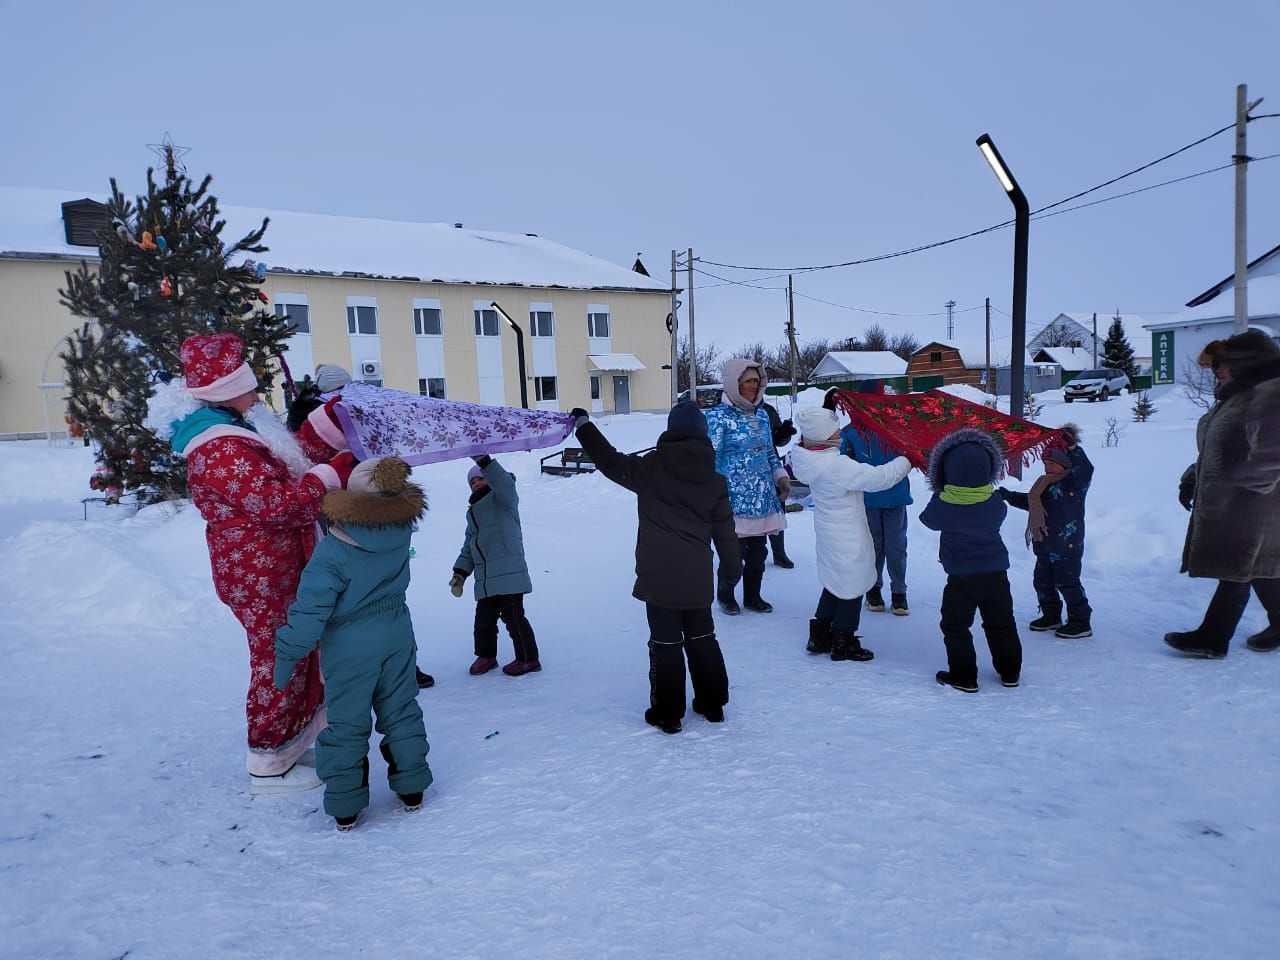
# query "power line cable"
(1038, 215)
(930, 246)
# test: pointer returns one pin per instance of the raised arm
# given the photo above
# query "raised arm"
(622, 469)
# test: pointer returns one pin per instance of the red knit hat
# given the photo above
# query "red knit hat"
(324, 421)
(214, 367)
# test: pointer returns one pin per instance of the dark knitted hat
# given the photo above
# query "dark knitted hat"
(1059, 457)
(687, 420)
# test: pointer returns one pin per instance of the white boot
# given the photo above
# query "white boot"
(295, 778)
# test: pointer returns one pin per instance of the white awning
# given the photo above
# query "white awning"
(615, 361)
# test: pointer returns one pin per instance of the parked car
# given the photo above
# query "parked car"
(1095, 385)
(709, 394)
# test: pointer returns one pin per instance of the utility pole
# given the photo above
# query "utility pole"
(1241, 160)
(951, 322)
(791, 338)
(675, 334)
(991, 387)
(693, 349)
(1095, 341)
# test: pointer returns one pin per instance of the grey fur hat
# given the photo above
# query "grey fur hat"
(953, 440)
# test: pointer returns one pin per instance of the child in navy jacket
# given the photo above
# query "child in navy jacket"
(965, 510)
(1056, 531)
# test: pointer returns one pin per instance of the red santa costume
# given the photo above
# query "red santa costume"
(260, 498)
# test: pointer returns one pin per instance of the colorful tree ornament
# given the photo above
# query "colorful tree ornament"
(148, 243)
(166, 287)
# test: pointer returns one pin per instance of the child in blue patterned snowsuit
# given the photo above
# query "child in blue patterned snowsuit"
(351, 602)
(1059, 544)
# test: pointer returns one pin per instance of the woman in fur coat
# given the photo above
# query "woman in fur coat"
(1233, 493)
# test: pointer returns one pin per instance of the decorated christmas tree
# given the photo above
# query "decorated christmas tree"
(164, 273)
(1116, 351)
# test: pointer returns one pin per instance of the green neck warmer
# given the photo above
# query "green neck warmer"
(966, 495)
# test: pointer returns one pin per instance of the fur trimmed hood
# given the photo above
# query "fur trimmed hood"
(378, 494)
(951, 442)
(731, 372)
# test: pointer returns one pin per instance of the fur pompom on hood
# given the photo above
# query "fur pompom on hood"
(379, 494)
(950, 442)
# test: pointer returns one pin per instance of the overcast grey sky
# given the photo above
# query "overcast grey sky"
(758, 133)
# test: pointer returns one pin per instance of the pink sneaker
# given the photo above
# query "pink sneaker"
(518, 668)
(482, 665)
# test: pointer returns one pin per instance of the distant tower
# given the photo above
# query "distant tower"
(951, 319)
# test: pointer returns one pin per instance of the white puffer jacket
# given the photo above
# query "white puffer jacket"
(846, 554)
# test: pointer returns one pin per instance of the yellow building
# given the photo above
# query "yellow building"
(407, 305)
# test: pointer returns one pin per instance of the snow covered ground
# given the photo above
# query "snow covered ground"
(1121, 803)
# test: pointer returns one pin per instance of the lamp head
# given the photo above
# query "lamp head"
(1002, 173)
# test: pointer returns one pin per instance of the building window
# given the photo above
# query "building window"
(362, 320)
(542, 323)
(597, 325)
(595, 388)
(544, 388)
(486, 323)
(299, 315)
(431, 387)
(427, 322)
(935, 357)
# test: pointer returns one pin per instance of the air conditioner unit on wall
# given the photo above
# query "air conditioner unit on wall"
(370, 369)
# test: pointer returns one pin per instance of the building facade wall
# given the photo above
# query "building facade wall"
(950, 367)
(33, 324)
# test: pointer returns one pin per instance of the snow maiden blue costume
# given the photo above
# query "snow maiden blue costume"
(740, 433)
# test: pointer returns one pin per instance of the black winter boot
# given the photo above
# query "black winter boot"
(666, 726)
(1050, 619)
(948, 679)
(874, 600)
(778, 546)
(848, 646)
(1267, 640)
(819, 636)
(724, 596)
(1196, 644)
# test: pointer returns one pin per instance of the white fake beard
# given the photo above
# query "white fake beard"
(283, 444)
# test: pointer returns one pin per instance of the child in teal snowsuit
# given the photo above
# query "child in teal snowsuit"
(351, 602)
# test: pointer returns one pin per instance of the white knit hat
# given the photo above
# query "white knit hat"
(816, 423)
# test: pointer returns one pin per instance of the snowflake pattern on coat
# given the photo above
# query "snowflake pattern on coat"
(746, 458)
(261, 532)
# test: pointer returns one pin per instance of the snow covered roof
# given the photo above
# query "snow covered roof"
(1085, 320)
(860, 364)
(1266, 265)
(1264, 302)
(1069, 358)
(31, 224)
(615, 361)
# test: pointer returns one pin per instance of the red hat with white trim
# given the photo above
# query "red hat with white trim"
(324, 421)
(214, 367)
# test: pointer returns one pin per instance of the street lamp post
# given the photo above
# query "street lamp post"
(1021, 224)
(524, 387)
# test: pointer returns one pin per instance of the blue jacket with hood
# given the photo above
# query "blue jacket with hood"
(971, 541)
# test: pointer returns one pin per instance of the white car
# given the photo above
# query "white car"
(1095, 385)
